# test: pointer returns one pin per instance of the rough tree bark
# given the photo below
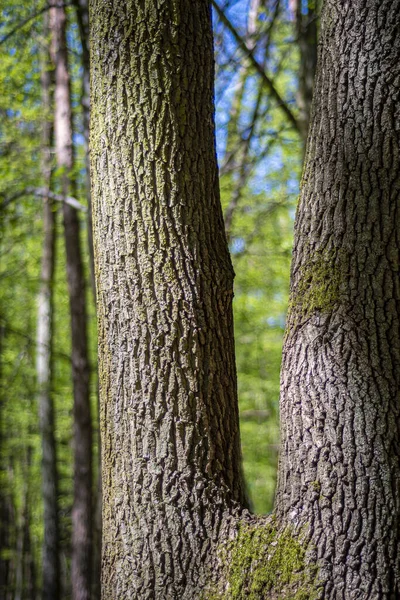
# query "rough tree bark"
(82, 428)
(44, 343)
(171, 449)
(340, 461)
(173, 491)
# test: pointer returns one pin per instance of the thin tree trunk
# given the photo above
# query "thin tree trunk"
(339, 473)
(29, 565)
(25, 587)
(82, 11)
(82, 510)
(5, 520)
(19, 561)
(307, 39)
(169, 415)
(51, 542)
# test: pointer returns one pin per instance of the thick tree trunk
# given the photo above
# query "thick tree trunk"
(169, 416)
(50, 560)
(82, 509)
(340, 460)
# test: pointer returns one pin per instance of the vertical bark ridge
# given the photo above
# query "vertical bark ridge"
(171, 448)
(340, 458)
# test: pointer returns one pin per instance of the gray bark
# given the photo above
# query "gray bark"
(339, 474)
(50, 559)
(169, 416)
(82, 434)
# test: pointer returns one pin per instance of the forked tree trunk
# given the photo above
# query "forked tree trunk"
(171, 459)
(82, 509)
(169, 415)
(50, 558)
(340, 460)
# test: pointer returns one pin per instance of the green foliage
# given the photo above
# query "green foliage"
(260, 169)
(21, 237)
(261, 239)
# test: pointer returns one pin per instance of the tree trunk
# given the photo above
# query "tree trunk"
(169, 415)
(171, 454)
(50, 560)
(82, 510)
(339, 472)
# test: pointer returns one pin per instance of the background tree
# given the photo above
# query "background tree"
(44, 355)
(81, 569)
(22, 187)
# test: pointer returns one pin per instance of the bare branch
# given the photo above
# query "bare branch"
(24, 22)
(244, 47)
(44, 193)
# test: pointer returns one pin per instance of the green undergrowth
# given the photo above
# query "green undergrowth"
(263, 563)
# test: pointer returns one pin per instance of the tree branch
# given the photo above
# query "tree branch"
(260, 70)
(44, 193)
(28, 19)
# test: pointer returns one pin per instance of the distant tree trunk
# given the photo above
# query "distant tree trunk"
(82, 11)
(339, 471)
(51, 542)
(238, 142)
(29, 566)
(306, 15)
(82, 511)
(5, 517)
(25, 587)
(169, 415)
(4, 544)
(19, 561)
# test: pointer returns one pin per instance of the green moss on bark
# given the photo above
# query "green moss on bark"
(318, 287)
(263, 562)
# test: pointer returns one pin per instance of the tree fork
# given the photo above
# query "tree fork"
(173, 490)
